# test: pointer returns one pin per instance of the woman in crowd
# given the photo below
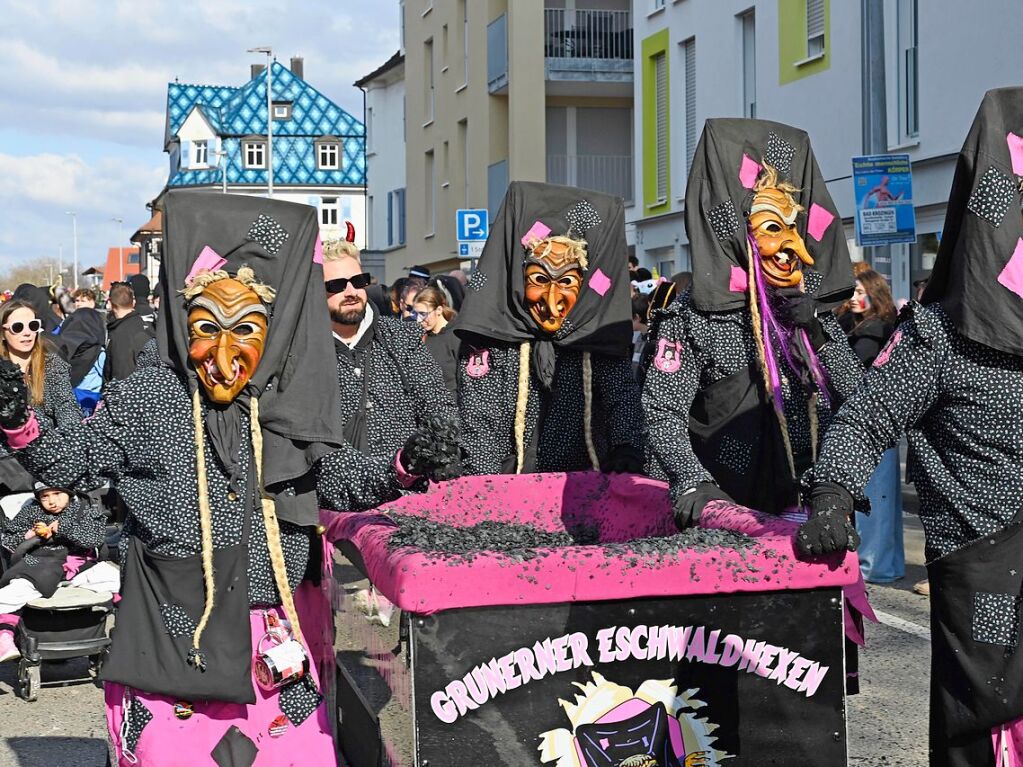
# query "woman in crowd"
(882, 556)
(434, 315)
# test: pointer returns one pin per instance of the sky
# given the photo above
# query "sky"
(83, 88)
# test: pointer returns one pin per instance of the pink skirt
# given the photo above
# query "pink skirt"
(238, 731)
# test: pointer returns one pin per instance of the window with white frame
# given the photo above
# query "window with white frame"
(254, 153)
(328, 155)
(430, 188)
(465, 41)
(200, 154)
(814, 28)
(661, 125)
(909, 109)
(396, 218)
(282, 110)
(329, 211)
(428, 82)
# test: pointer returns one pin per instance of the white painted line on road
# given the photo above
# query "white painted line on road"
(903, 625)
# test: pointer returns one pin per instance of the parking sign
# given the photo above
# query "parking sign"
(472, 224)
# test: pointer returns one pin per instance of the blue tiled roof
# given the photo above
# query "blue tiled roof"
(236, 112)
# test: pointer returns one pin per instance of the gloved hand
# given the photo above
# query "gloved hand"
(623, 459)
(433, 450)
(796, 309)
(689, 505)
(830, 527)
(13, 396)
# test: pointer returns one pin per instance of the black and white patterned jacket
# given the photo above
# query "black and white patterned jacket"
(142, 441)
(59, 408)
(715, 345)
(404, 385)
(487, 393)
(958, 402)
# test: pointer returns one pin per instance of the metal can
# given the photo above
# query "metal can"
(280, 664)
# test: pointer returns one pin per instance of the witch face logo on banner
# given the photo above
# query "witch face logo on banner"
(614, 726)
(772, 221)
(554, 269)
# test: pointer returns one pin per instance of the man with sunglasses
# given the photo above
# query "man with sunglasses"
(389, 381)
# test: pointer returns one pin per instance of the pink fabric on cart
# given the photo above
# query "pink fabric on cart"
(622, 507)
(167, 741)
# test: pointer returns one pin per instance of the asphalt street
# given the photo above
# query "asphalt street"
(887, 720)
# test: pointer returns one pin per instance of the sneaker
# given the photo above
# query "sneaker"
(8, 650)
(923, 588)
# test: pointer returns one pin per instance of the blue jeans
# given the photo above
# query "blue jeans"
(882, 557)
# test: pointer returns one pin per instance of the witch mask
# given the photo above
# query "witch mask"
(772, 222)
(227, 327)
(554, 269)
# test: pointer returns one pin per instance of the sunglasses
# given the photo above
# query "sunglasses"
(338, 285)
(17, 327)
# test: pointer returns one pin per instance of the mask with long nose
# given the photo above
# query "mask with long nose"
(772, 222)
(227, 325)
(554, 276)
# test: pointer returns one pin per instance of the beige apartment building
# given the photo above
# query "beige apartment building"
(505, 90)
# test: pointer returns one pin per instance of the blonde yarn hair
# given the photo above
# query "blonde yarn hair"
(245, 276)
(273, 531)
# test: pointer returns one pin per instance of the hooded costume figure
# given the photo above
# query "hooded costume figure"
(749, 363)
(222, 455)
(545, 379)
(951, 379)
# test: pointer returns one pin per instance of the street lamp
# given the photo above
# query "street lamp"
(74, 230)
(269, 118)
(221, 155)
(120, 247)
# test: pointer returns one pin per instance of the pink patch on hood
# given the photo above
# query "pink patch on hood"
(738, 280)
(208, 260)
(318, 251)
(748, 171)
(1012, 275)
(818, 221)
(1015, 152)
(600, 282)
(536, 232)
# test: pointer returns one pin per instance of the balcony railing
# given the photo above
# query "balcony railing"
(587, 34)
(610, 174)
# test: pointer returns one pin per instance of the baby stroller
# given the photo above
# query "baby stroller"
(70, 624)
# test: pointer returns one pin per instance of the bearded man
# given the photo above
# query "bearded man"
(389, 382)
(545, 375)
(222, 453)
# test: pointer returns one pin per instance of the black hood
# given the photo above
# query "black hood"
(82, 337)
(495, 307)
(296, 381)
(978, 273)
(39, 299)
(719, 193)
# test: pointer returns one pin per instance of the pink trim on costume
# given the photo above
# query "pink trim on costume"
(1015, 152)
(1011, 276)
(600, 282)
(24, 435)
(207, 260)
(622, 507)
(748, 171)
(478, 364)
(738, 280)
(818, 221)
(889, 347)
(318, 251)
(536, 232)
(665, 363)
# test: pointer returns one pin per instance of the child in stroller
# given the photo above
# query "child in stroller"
(53, 539)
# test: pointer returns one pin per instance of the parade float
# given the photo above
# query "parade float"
(561, 619)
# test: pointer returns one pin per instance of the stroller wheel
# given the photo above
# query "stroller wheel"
(29, 679)
(96, 663)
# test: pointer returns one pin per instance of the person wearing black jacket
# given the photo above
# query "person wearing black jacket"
(141, 288)
(126, 332)
(388, 379)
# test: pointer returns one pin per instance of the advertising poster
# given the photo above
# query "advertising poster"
(883, 185)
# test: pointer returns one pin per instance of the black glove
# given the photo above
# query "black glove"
(433, 450)
(830, 526)
(796, 309)
(623, 459)
(13, 396)
(688, 507)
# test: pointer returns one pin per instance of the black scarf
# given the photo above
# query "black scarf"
(978, 274)
(296, 379)
(495, 307)
(81, 339)
(718, 198)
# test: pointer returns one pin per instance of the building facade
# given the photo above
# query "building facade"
(385, 254)
(216, 141)
(507, 90)
(800, 62)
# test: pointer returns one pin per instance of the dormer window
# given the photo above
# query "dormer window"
(328, 154)
(200, 154)
(254, 153)
(282, 110)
